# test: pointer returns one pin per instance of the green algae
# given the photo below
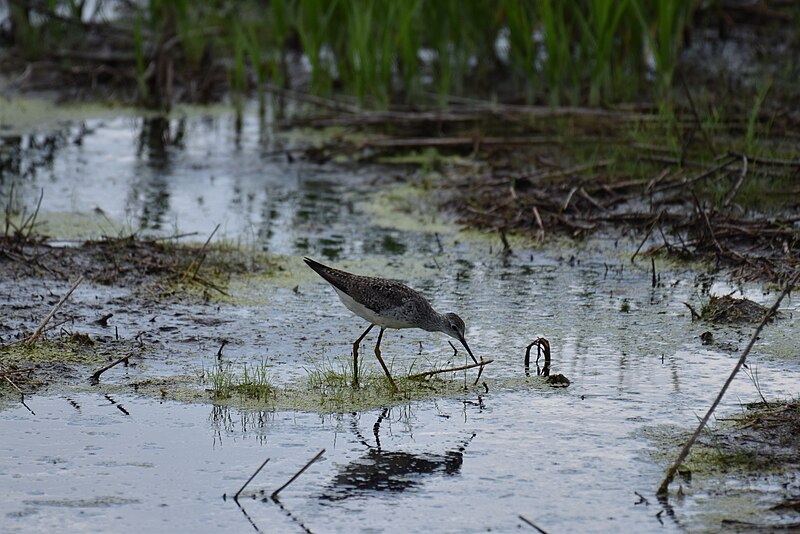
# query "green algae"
(324, 390)
(75, 349)
(19, 114)
(75, 226)
(22, 114)
(220, 273)
(407, 208)
(417, 207)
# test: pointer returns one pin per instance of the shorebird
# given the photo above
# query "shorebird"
(388, 304)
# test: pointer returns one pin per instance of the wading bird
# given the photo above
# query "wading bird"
(388, 304)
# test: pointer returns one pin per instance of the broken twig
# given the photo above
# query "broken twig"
(462, 368)
(95, 378)
(236, 496)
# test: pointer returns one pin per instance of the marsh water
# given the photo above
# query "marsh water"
(586, 458)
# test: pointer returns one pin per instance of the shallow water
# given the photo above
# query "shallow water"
(566, 459)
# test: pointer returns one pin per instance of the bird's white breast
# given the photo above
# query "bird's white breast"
(386, 321)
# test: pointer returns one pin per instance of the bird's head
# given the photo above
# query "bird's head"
(454, 326)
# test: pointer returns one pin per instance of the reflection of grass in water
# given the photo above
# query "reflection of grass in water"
(333, 381)
(331, 385)
(253, 382)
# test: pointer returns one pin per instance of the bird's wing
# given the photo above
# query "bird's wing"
(377, 294)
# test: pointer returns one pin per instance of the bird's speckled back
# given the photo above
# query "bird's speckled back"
(383, 296)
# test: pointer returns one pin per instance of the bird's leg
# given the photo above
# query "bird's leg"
(355, 355)
(385, 369)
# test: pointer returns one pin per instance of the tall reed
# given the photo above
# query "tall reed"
(387, 51)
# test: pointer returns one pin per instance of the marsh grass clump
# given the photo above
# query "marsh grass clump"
(57, 359)
(19, 228)
(157, 265)
(74, 348)
(764, 437)
(336, 385)
(727, 309)
(252, 383)
(330, 387)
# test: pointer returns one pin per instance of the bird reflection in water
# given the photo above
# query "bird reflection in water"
(380, 470)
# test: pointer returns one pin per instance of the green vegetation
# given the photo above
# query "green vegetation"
(727, 309)
(68, 348)
(252, 383)
(380, 52)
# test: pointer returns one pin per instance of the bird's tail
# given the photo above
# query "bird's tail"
(332, 276)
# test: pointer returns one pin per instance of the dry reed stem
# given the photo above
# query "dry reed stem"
(32, 339)
(236, 496)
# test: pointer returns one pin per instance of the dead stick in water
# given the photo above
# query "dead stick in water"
(462, 368)
(21, 394)
(194, 268)
(32, 339)
(95, 378)
(236, 497)
(647, 235)
(310, 462)
(663, 489)
(531, 524)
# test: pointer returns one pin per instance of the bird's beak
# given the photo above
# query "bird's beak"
(464, 342)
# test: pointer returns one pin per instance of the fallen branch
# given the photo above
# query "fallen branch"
(702, 176)
(647, 235)
(32, 339)
(462, 368)
(95, 378)
(404, 142)
(663, 489)
(767, 161)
